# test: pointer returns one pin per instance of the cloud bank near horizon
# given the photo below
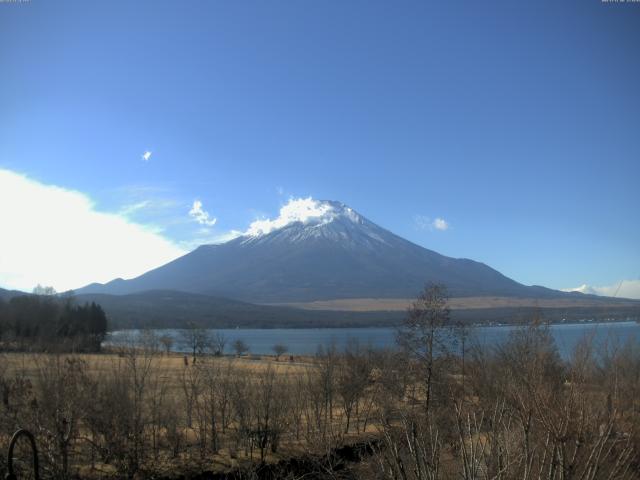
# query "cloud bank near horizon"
(623, 289)
(55, 236)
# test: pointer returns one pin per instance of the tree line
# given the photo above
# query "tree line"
(45, 320)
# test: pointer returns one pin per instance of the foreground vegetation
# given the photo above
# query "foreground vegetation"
(516, 411)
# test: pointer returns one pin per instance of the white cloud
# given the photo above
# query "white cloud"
(280, 190)
(296, 210)
(440, 224)
(623, 289)
(200, 215)
(425, 223)
(146, 156)
(54, 236)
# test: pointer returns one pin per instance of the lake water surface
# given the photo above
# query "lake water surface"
(305, 341)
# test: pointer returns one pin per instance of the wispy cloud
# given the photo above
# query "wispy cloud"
(146, 156)
(422, 222)
(151, 207)
(622, 289)
(55, 236)
(134, 207)
(425, 223)
(200, 215)
(280, 191)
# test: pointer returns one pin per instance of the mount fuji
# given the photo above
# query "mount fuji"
(316, 251)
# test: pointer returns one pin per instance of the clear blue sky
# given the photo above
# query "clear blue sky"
(516, 122)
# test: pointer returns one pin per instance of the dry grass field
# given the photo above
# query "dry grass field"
(172, 365)
(174, 415)
(459, 303)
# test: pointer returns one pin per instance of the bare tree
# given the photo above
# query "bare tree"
(279, 349)
(117, 414)
(190, 381)
(240, 347)
(156, 406)
(167, 343)
(271, 410)
(424, 332)
(213, 390)
(219, 343)
(353, 377)
(149, 341)
(61, 389)
(324, 379)
(197, 339)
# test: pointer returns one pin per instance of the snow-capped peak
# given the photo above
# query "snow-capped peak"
(306, 211)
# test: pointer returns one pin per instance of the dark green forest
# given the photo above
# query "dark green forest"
(51, 322)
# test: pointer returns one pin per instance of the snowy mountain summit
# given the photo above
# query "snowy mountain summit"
(309, 220)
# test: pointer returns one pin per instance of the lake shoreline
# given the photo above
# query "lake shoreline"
(390, 325)
(306, 341)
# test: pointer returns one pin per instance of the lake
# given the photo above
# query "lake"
(305, 341)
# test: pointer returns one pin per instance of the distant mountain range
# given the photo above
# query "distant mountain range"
(336, 255)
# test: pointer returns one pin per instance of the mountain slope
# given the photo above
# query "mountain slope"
(331, 253)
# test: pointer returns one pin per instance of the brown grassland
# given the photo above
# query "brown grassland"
(460, 303)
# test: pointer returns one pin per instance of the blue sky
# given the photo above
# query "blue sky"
(517, 123)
